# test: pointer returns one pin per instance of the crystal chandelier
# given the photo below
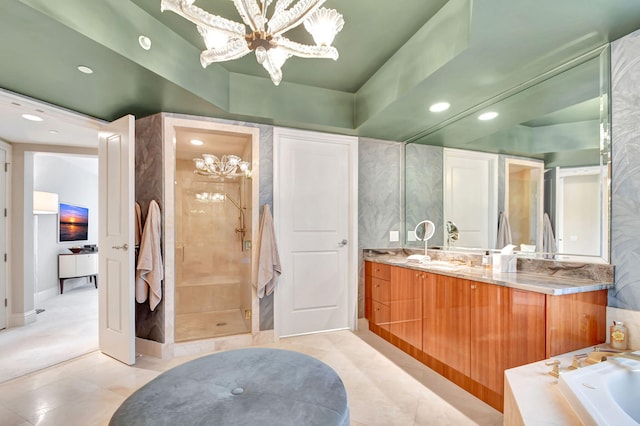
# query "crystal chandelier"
(227, 40)
(229, 166)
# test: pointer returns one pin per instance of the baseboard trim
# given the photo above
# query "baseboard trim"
(154, 349)
(43, 295)
(19, 320)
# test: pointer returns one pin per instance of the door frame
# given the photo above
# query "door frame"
(169, 126)
(352, 232)
(561, 173)
(5, 289)
(492, 161)
(534, 165)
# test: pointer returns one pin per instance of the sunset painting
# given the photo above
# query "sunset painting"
(74, 223)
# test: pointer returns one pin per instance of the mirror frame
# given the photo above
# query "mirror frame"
(604, 54)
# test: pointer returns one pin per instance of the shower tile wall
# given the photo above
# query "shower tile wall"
(266, 191)
(211, 266)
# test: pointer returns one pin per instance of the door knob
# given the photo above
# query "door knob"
(124, 247)
(343, 243)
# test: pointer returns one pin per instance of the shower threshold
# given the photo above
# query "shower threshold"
(205, 325)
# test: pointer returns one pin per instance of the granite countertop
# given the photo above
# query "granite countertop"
(547, 281)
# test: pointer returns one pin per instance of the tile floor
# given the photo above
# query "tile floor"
(66, 329)
(384, 386)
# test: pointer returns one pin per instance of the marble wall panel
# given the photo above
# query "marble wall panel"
(424, 190)
(149, 166)
(625, 147)
(380, 187)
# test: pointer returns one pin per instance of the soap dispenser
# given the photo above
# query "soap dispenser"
(618, 336)
(486, 260)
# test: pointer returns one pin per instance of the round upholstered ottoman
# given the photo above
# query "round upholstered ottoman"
(252, 386)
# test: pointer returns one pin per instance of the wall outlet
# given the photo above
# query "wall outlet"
(394, 236)
(411, 236)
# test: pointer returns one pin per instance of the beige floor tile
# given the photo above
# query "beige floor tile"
(9, 418)
(384, 386)
(92, 409)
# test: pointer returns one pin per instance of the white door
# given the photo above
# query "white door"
(3, 237)
(315, 215)
(578, 215)
(116, 316)
(470, 197)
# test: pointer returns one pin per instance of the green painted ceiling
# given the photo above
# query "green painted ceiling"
(396, 58)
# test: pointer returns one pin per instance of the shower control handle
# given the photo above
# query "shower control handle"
(343, 243)
(124, 247)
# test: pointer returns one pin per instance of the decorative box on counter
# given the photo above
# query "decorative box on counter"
(505, 262)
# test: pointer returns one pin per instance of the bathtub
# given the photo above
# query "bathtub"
(606, 393)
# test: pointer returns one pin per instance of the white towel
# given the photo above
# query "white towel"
(504, 231)
(268, 258)
(150, 272)
(548, 239)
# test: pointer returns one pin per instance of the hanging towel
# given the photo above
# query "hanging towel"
(150, 272)
(548, 239)
(268, 258)
(138, 234)
(504, 231)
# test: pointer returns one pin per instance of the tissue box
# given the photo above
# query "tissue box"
(505, 262)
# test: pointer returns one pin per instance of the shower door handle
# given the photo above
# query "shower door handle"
(342, 243)
(124, 247)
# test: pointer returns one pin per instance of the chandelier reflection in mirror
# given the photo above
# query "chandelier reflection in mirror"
(229, 166)
(227, 40)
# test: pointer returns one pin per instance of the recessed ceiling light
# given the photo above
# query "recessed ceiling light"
(144, 42)
(85, 69)
(53, 132)
(488, 116)
(196, 142)
(439, 107)
(32, 117)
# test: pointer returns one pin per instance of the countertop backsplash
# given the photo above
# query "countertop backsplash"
(560, 269)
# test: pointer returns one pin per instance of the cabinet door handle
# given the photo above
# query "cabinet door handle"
(473, 286)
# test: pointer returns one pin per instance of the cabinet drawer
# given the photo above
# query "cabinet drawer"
(380, 290)
(66, 266)
(380, 315)
(381, 271)
(86, 264)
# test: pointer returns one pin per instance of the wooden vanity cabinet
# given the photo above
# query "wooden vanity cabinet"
(446, 334)
(575, 321)
(507, 330)
(406, 305)
(470, 332)
(378, 280)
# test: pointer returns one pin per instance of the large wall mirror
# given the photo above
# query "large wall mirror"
(554, 131)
